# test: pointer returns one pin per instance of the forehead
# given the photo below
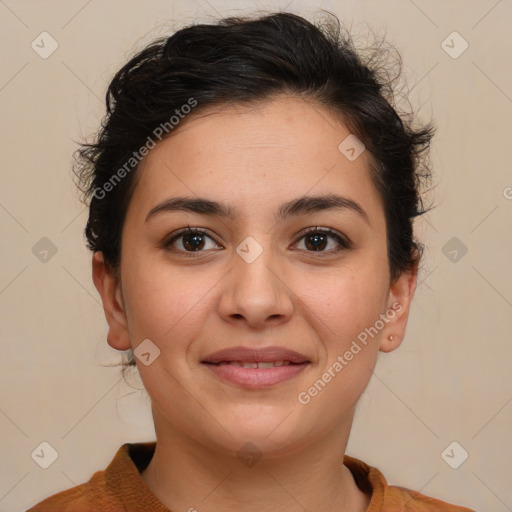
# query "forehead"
(260, 154)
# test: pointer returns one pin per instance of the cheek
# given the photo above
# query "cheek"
(163, 304)
(346, 300)
(343, 314)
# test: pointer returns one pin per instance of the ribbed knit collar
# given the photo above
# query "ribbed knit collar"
(123, 476)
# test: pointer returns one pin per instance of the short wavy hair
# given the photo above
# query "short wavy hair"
(238, 60)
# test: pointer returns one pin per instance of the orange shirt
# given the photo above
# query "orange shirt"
(120, 488)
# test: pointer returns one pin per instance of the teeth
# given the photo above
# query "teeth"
(260, 364)
(269, 364)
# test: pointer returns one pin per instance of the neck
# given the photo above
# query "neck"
(310, 478)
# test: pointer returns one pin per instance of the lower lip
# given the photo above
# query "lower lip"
(256, 377)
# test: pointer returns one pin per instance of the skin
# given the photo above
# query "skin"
(253, 158)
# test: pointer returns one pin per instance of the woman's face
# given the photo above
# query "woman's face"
(255, 280)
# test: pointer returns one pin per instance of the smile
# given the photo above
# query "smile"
(256, 374)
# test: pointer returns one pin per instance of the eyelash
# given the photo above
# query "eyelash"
(343, 242)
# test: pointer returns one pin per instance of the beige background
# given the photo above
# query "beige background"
(450, 380)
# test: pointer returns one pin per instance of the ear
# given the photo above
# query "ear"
(109, 287)
(401, 293)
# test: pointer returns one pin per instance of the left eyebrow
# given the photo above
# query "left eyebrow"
(299, 206)
(311, 204)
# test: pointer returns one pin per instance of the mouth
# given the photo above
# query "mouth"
(253, 364)
(256, 368)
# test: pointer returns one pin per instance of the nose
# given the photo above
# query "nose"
(257, 292)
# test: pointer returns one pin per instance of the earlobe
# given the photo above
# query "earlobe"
(390, 343)
(109, 288)
(401, 293)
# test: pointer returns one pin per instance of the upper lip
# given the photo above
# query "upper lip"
(247, 354)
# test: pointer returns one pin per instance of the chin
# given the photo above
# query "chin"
(273, 433)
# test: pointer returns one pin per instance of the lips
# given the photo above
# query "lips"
(245, 356)
(256, 368)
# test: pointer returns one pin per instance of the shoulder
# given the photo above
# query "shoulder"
(107, 490)
(118, 488)
(391, 498)
(64, 501)
(407, 500)
(81, 498)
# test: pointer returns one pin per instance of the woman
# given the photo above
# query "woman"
(252, 192)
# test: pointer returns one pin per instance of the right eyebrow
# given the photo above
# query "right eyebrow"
(192, 204)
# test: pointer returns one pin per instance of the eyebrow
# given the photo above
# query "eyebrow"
(300, 206)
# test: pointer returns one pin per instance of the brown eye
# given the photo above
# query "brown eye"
(193, 241)
(316, 240)
(189, 241)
